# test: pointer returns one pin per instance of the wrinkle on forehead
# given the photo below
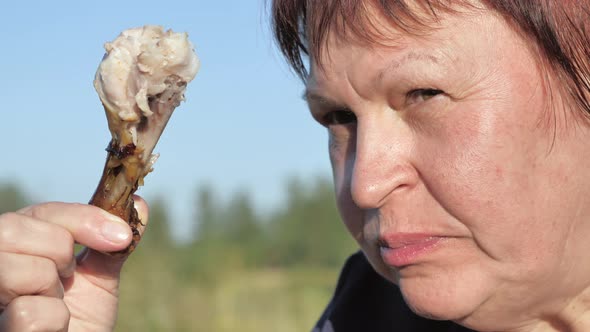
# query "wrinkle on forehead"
(374, 23)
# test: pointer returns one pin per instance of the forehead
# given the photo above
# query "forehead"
(374, 23)
(446, 41)
(463, 54)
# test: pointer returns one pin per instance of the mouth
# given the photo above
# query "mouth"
(403, 249)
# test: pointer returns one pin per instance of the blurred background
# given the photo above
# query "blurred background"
(244, 233)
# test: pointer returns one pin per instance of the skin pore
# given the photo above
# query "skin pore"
(453, 134)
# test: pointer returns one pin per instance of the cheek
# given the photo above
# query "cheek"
(481, 165)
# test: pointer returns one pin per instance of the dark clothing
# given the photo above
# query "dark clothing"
(366, 302)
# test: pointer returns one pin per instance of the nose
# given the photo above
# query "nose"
(382, 167)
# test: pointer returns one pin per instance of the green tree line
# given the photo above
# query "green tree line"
(304, 229)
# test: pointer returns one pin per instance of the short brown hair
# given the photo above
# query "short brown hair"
(559, 29)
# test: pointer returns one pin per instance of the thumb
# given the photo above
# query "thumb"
(108, 266)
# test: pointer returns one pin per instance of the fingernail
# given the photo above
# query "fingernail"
(116, 231)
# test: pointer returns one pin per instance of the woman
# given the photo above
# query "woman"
(456, 135)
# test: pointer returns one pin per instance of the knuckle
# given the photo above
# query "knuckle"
(64, 245)
(38, 211)
(42, 210)
(16, 228)
(22, 315)
(46, 278)
(47, 271)
(36, 275)
(8, 293)
(28, 315)
(9, 227)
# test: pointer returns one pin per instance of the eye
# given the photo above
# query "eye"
(340, 117)
(421, 95)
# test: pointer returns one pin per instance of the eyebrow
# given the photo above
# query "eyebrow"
(412, 56)
(395, 64)
(309, 96)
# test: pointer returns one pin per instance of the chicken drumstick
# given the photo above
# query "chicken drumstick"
(140, 81)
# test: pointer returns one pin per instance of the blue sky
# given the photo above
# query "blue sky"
(243, 124)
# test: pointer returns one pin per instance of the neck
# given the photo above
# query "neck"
(573, 317)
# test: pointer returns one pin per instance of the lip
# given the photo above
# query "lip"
(403, 249)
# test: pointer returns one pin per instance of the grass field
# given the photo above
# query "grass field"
(156, 297)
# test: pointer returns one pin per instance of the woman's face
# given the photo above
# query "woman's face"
(463, 182)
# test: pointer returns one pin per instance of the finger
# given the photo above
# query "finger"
(27, 275)
(89, 225)
(100, 264)
(22, 234)
(35, 313)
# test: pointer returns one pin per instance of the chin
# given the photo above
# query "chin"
(441, 293)
(439, 301)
